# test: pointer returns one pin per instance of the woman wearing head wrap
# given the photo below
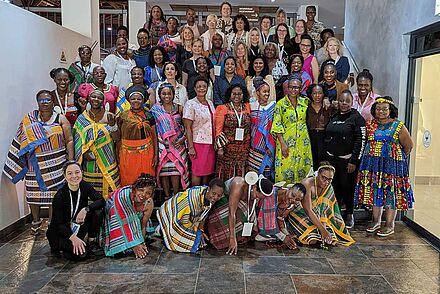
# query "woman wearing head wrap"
(172, 169)
(293, 159)
(137, 140)
(262, 153)
(94, 147)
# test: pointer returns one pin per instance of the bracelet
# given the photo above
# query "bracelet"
(113, 129)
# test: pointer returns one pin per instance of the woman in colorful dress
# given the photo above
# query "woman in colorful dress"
(118, 65)
(154, 71)
(110, 91)
(293, 160)
(383, 178)
(82, 70)
(63, 98)
(317, 219)
(37, 154)
(93, 134)
(198, 118)
(137, 140)
(137, 79)
(259, 68)
(156, 25)
(183, 216)
(172, 169)
(233, 133)
(127, 213)
(262, 151)
(171, 39)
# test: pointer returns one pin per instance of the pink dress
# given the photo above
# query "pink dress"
(307, 66)
(202, 116)
(111, 94)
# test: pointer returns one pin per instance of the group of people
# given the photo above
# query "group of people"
(214, 115)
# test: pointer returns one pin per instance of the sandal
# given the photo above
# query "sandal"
(373, 227)
(36, 226)
(385, 232)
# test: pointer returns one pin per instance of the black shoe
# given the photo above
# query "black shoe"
(349, 221)
(94, 249)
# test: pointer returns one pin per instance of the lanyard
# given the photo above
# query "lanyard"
(250, 213)
(281, 48)
(59, 102)
(159, 76)
(239, 117)
(86, 70)
(265, 39)
(72, 212)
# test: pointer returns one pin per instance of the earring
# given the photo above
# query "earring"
(88, 106)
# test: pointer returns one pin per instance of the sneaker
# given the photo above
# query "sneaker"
(95, 249)
(373, 227)
(385, 232)
(349, 222)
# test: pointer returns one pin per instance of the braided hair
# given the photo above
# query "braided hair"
(144, 180)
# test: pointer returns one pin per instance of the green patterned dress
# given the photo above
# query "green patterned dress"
(291, 123)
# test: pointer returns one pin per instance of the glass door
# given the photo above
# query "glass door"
(425, 157)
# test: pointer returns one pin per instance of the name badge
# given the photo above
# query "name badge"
(217, 70)
(239, 134)
(74, 227)
(247, 229)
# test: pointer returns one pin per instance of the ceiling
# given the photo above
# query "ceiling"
(330, 12)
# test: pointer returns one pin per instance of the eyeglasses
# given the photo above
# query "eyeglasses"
(327, 179)
(383, 109)
(294, 87)
(305, 45)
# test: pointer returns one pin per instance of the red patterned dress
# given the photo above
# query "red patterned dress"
(236, 152)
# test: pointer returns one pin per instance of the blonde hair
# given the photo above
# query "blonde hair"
(338, 43)
(211, 16)
(189, 29)
(260, 42)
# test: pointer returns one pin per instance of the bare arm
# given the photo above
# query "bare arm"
(405, 140)
(152, 96)
(184, 79)
(189, 136)
(155, 144)
(307, 206)
(315, 70)
(237, 187)
(68, 138)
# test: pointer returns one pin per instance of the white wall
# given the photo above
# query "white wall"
(374, 33)
(31, 47)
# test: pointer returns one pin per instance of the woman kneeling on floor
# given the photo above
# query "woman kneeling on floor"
(127, 213)
(318, 218)
(73, 218)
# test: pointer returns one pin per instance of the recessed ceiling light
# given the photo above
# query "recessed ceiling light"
(335, 27)
(272, 1)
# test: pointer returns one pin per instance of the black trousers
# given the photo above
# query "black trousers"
(318, 146)
(343, 183)
(91, 226)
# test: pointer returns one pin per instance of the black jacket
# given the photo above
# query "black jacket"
(346, 134)
(61, 214)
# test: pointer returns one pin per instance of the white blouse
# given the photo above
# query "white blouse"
(118, 70)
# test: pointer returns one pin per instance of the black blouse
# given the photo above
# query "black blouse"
(61, 213)
(345, 134)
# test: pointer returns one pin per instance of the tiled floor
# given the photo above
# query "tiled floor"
(403, 263)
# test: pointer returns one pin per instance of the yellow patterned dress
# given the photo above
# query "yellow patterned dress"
(291, 123)
(327, 210)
